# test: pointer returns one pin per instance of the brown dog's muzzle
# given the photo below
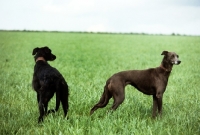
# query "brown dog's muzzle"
(178, 62)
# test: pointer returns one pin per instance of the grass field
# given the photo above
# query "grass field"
(86, 61)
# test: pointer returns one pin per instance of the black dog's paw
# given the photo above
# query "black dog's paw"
(51, 111)
(40, 119)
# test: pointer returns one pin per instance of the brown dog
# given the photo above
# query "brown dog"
(151, 81)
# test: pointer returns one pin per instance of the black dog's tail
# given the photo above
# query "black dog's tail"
(64, 94)
(103, 101)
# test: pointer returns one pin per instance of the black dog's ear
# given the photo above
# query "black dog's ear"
(35, 51)
(47, 50)
(164, 53)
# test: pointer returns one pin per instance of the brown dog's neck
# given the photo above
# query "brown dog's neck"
(166, 70)
(40, 58)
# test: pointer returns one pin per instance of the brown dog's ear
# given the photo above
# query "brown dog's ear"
(35, 51)
(164, 53)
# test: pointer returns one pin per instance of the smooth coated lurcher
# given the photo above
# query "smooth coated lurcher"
(151, 81)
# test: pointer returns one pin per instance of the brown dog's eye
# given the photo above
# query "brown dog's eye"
(177, 56)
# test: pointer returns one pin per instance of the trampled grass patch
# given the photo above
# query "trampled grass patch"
(86, 61)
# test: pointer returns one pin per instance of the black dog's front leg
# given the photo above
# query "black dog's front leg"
(38, 98)
(57, 100)
(41, 109)
(43, 104)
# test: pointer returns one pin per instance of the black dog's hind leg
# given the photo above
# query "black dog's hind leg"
(57, 100)
(57, 103)
(61, 96)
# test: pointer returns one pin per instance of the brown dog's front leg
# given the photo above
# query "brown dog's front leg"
(159, 96)
(155, 106)
(160, 106)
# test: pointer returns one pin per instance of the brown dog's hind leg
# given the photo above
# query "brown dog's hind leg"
(103, 101)
(118, 96)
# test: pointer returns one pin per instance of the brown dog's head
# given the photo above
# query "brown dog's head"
(171, 57)
(44, 52)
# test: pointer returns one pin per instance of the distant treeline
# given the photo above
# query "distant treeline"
(125, 33)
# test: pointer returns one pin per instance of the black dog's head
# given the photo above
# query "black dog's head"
(44, 52)
(171, 57)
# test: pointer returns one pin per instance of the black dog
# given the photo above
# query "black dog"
(151, 81)
(47, 81)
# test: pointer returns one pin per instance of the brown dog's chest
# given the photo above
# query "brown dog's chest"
(148, 81)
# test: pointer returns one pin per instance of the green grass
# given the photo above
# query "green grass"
(86, 61)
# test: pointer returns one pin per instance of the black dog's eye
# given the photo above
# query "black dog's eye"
(172, 56)
(177, 56)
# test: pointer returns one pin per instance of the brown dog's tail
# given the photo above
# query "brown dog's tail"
(103, 101)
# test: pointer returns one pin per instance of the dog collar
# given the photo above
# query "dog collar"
(161, 66)
(40, 58)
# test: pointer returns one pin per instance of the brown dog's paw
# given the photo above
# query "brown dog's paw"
(91, 112)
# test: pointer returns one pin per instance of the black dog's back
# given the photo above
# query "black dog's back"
(47, 81)
(46, 74)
